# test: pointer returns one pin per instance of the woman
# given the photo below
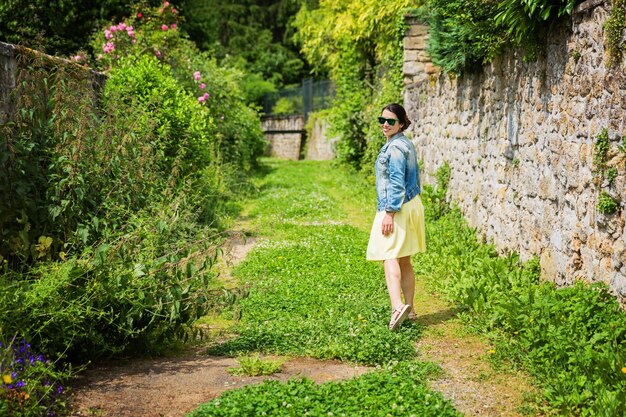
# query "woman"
(398, 229)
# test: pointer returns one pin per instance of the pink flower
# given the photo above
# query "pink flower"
(130, 33)
(173, 26)
(166, 3)
(202, 86)
(121, 26)
(108, 34)
(158, 54)
(113, 28)
(139, 15)
(108, 47)
(134, 40)
(77, 58)
(174, 11)
(99, 57)
(164, 27)
(197, 76)
(201, 99)
(206, 96)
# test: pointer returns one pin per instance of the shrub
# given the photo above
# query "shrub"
(66, 161)
(138, 290)
(184, 129)
(527, 23)
(284, 106)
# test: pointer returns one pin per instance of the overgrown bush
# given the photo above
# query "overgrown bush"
(137, 290)
(233, 128)
(465, 34)
(185, 133)
(115, 193)
(462, 34)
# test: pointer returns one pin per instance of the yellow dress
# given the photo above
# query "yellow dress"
(408, 236)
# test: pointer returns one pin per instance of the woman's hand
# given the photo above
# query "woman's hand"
(388, 223)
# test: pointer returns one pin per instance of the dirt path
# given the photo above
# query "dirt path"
(469, 380)
(174, 386)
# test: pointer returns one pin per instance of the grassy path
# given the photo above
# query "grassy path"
(311, 293)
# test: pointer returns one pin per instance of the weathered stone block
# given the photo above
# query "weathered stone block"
(415, 42)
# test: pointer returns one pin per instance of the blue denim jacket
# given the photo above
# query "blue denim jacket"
(397, 173)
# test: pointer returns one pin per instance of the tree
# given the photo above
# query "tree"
(255, 35)
(58, 27)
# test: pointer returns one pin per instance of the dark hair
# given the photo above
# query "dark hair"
(399, 111)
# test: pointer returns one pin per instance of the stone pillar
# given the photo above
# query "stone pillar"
(320, 147)
(417, 64)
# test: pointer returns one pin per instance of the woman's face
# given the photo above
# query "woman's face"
(389, 130)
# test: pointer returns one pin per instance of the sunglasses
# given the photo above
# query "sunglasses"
(391, 122)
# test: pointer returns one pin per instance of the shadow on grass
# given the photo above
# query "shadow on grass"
(438, 317)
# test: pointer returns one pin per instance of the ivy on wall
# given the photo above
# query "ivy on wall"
(605, 175)
(613, 28)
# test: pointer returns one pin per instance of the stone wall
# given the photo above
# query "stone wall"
(519, 138)
(319, 146)
(286, 138)
(284, 135)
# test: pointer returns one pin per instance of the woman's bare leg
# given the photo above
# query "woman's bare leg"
(407, 281)
(393, 276)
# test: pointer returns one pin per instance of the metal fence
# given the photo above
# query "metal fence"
(310, 96)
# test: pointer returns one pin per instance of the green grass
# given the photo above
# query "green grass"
(253, 365)
(396, 391)
(312, 293)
